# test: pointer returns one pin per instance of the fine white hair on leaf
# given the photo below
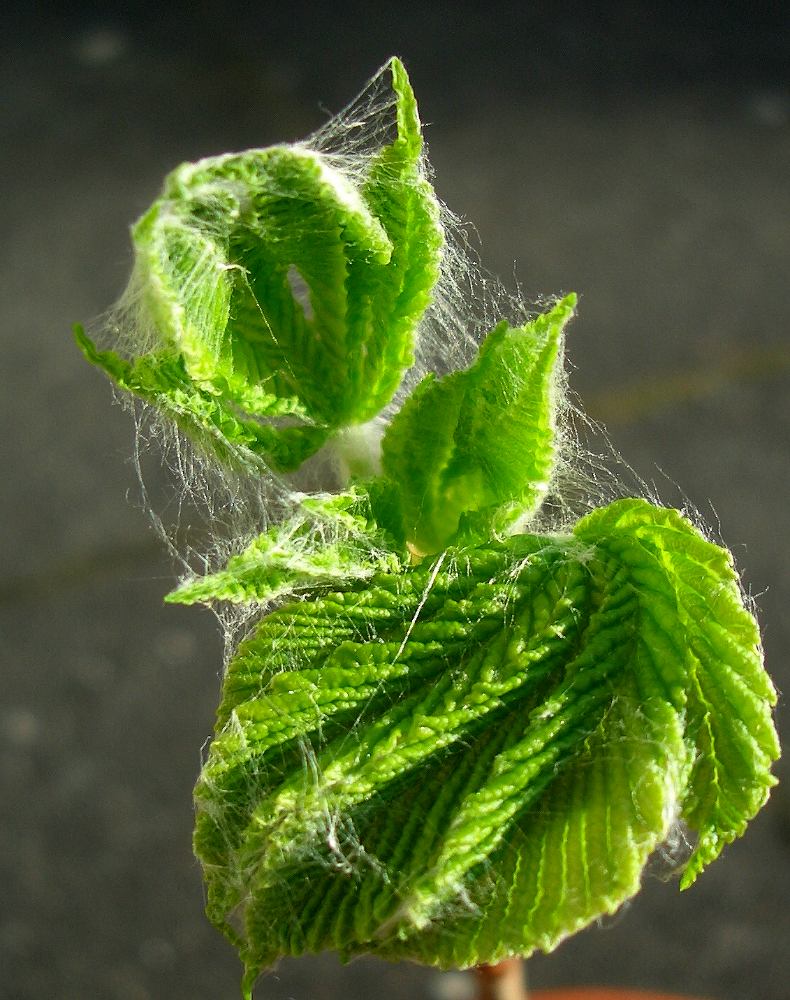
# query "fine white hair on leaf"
(211, 510)
(449, 645)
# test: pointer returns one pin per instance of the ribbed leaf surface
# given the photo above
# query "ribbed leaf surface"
(163, 382)
(282, 282)
(331, 539)
(476, 448)
(476, 757)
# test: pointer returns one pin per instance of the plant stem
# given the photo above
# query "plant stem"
(504, 981)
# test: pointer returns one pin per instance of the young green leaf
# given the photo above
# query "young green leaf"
(473, 756)
(281, 283)
(476, 448)
(727, 689)
(163, 382)
(331, 539)
(496, 743)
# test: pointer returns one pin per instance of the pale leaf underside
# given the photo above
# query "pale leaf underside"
(330, 539)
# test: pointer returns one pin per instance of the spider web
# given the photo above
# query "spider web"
(207, 512)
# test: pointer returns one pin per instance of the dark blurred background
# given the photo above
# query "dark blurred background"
(637, 153)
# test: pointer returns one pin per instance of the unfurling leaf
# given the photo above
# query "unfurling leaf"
(478, 446)
(474, 758)
(332, 539)
(275, 283)
(450, 742)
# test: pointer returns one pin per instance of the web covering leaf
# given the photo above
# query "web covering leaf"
(288, 558)
(479, 444)
(279, 284)
(464, 709)
(496, 744)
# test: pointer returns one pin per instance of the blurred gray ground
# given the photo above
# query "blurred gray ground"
(640, 160)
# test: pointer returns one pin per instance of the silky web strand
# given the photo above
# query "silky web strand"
(470, 686)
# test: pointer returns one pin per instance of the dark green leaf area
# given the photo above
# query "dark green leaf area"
(475, 450)
(476, 757)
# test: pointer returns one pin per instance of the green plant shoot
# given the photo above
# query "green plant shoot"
(447, 736)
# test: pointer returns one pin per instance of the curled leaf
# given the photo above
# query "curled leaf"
(475, 449)
(331, 539)
(279, 283)
(475, 758)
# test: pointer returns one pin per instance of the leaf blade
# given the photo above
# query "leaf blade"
(331, 538)
(731, 779)
(475, 450)
(162, 382)
(531, 697)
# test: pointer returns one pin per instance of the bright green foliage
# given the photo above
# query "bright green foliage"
(163, 382)
(278, 284)
(474, 754)
(495, 743)
(477, 447)
(331, 539)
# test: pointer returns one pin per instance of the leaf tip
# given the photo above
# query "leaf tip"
(83, 341)
(175, 597)
(408, 119)
(565, 308)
